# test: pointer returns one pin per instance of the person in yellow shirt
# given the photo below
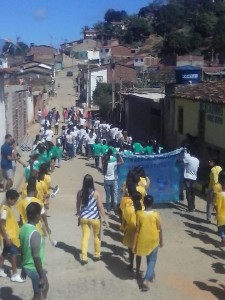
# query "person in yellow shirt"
(9, 230)
(219, 206)
(213, 180)
(128, 225)
(147, 238)
(42, 225)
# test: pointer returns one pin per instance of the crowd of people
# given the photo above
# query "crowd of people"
(106, 145)
(32, 204)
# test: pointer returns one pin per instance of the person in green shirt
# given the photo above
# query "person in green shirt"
(97, 151)
(147, 149)
(53, 154)
(137, 148)
(32, 249)
(104, 149)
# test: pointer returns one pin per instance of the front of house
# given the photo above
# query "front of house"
(200, 112)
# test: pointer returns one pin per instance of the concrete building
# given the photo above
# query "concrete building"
(79, 51)
(93, 55)
(117, 53)
(42, 53)
(144, 115)
(18, 104)
(200, 113)
(90, 33)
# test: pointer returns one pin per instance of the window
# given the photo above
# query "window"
(141, 59)
(180, 120)
(136, 59)
(99, 79)
(106, 50)
(101, 50)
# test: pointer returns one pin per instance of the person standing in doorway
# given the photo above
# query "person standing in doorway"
(191, 165)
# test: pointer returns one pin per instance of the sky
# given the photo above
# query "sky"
(52, 22)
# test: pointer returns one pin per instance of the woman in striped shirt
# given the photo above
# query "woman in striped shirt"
(89, 209)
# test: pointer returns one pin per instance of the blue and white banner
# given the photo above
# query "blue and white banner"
(165, 172)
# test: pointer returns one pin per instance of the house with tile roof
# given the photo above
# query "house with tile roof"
(199, 111)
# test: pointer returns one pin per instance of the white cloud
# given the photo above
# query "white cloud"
(40, 13)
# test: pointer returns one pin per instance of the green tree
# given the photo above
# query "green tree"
(21, 48)
(102, 96)
(138, 29)
(115, 15)
(176, 43)
(219, 36)
(205, 24)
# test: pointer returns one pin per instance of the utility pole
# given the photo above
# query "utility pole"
(113, 84)
(88, 86)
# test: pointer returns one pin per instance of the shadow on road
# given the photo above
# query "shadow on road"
(218, 292)
(190, 217)
(116, 266)
(204, 238)
(6, 293)
(70, 249)
(116, 250)
(200, 227)
(218, 268)
(212, 253)
(115, 236)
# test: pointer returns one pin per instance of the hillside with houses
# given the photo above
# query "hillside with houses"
(108, 71)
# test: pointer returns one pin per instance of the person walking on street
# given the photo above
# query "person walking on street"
(109, 165)
(89, 208)
(147, 239)
(213, 181)
(9, 230)
(32, 246)
(6, 163)
(191, 165)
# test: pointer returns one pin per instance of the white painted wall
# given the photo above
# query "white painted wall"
(97, 76)
(93, 54)
(30, 109)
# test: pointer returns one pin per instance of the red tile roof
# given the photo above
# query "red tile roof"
(211, 91)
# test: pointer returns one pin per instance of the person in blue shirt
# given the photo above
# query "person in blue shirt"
(6, 163)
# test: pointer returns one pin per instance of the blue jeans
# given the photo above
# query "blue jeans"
(209, 206)
(34, 276)
(151, 261)
(69, 149)
(109, 186)
(90, 150)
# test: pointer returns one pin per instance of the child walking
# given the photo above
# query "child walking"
(148, 238)
(9, 230)
(32, 246)
(219, 205)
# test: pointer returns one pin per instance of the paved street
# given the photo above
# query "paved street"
(189, 266)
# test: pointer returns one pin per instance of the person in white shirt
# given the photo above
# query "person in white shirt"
(81, 137)
(90, 140)
(81, 121)
(191, 165)
(49, 134)
(96, 124)
(45, 123)
(109, 166)
(69, 144)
